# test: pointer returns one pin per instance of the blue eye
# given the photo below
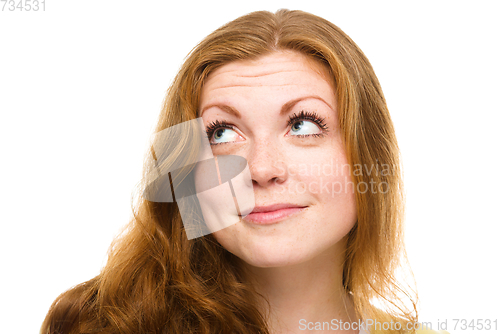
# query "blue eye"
(226, 134)
(304, 124)
(221, 132)
(309, 122)
(307, 127)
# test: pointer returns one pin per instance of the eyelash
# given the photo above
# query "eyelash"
(303, 115)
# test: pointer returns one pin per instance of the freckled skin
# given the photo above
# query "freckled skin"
(284, 167)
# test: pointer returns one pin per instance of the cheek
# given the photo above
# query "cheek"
(230, 238)
(323, 173)
(327, 179)
(326, 185)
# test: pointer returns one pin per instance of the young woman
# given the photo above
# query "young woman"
(293, 95)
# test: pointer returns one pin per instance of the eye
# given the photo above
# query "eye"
(221, 132)
(307, 124)
(304, 124)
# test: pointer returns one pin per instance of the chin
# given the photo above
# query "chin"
(273, 259)
(268, 252)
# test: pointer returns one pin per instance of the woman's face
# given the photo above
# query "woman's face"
(281, 110)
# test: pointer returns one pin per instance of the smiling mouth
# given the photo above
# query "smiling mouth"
(272, 214)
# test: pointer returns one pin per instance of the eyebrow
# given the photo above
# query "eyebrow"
(284, 109)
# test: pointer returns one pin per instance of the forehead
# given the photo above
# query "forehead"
(280, 74)
(275, 61)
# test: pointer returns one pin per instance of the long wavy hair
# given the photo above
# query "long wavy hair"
(157, 281)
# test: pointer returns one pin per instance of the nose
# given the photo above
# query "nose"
(266, 163)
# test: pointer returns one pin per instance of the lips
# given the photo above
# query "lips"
(273, 213)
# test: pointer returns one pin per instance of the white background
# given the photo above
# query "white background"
(81, 86)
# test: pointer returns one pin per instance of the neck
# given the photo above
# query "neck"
(302, 295)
